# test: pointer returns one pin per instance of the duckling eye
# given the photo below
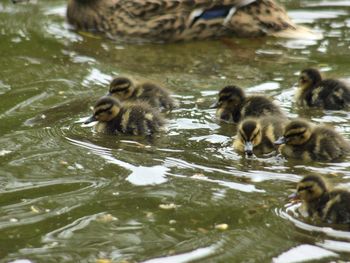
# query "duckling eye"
(305, 188)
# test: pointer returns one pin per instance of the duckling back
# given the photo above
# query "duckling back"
(331, 95)
(258, 106)
(134, 119)
(156, 96)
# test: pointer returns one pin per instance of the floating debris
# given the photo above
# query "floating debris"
(168, 206)
(221, 227)
(106, 218)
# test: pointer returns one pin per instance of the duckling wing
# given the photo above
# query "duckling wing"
(329, 145)
(337, 209)
(257, 106)
(331, 94)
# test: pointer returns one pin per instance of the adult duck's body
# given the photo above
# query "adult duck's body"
(175, 20)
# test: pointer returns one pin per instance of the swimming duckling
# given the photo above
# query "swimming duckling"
(258, 135)
(135, 119)
(313, 91)
(175, 20)
(321, 202)
(125, 89)
(305, 141)
(233, 105)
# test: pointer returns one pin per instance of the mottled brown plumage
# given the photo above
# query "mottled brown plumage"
(134, 119)
(233, 105)
(164, 20)
(322, 202)
(304, 141)
(257, 136)
(126, 89)
(313, 91)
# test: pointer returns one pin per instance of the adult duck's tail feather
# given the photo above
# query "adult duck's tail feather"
(298, 32)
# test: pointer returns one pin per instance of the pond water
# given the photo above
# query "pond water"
(70, 195)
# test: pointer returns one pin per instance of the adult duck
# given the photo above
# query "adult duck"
(176, 20)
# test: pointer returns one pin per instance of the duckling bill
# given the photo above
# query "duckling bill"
(304, 141)
(322, 202)
(233, 105)
(134, 119)
(257, 136)
(125, 89)
(313, 91)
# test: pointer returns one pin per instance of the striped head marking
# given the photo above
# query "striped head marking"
(121, 88)
(249, 132)
(297, 132)
(309, 78)
(106, 108)
(311, 188)
(231, 96)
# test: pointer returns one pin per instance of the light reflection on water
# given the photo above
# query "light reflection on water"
(62, 182)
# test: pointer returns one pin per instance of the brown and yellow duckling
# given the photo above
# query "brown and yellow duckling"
(176, 20)
(305, 141)
(322, 202)
(257, 136)
(125, 89)
(134, 119)
(233, 105)
(313, 91)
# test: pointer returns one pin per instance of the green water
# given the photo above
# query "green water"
(70, 195)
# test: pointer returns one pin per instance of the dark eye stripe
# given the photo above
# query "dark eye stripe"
(254, 136)
(103, 110)
(304, 188)
(243, 136)
(119, 89)
(294, 134)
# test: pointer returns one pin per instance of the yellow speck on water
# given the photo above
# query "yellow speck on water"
(106, 218)
(221, 226)
(63, 162)
(103, 260)
(168, 206)
(35, 209)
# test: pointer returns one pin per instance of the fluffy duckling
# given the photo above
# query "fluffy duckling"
(176, 20)
(125, 89)
(321, 202)
(257, 136)
(233, 105)
(134, 119)
(305, 141)
(313, 91)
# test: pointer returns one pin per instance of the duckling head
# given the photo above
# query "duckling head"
(121, 88)
(249, 132)
(105, 109)
(297, 132)
(309, 78)
(230, 97)
(311, 188)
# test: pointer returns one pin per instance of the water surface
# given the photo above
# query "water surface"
(70, 195)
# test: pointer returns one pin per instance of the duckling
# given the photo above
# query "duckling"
(176, 20)
(125, 89)
(233, 105)
(322, 202)
(313, 91)
(305, 141)
(258, 135)
(134, 119)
